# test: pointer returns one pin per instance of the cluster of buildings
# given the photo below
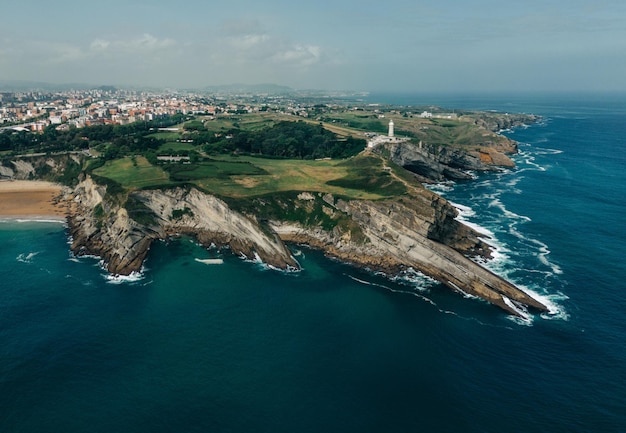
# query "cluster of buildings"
(35, 111)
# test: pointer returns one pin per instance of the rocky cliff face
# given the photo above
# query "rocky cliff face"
(416, 231)
(105, 227)
(437, 163)
(40, 167)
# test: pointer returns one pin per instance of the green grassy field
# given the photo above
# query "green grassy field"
(131, 175)
(212, 169)
(299, 175)
(246, 176)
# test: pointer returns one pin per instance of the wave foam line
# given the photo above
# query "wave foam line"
(404, 292)
(507, 213)
(543, 253)
(530, 160)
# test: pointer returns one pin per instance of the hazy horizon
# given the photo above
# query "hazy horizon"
(485, 46)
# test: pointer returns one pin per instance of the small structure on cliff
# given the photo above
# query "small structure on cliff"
(376, 139)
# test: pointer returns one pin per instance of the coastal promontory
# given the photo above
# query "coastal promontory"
(255, 183)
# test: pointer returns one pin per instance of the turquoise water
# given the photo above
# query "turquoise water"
(238, 348)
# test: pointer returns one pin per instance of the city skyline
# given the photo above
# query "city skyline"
(345, 45)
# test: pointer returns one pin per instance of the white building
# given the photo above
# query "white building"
(390, 129)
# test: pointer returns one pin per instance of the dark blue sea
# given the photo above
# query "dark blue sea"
(190, 347)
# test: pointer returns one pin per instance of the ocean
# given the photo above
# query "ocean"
(236, 347)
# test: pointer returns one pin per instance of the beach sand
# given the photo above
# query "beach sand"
(30, 199)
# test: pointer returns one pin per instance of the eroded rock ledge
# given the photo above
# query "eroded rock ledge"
(417, 232)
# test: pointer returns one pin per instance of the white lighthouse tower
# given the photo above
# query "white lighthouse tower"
(391, 129)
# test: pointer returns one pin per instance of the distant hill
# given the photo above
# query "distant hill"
(27, 86)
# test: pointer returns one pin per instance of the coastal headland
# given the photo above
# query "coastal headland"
(256, 180)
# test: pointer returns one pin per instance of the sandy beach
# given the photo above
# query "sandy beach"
(30, 199)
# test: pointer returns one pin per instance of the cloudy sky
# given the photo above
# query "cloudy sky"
(396, 45)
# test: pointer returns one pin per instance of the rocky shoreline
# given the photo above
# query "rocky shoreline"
(395, 234)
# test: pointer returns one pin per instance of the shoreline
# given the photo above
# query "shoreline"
(26, 200)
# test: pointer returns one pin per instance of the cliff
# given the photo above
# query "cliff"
(416, 231)
(435, 163)
(397, 236)
(121, 229)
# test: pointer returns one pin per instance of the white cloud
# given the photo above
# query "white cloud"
(143, 43)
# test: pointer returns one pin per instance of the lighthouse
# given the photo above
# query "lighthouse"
(391, 129)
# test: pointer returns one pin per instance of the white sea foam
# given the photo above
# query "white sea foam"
(464, 211)
(528, 158)
(542, 250)
(121, 279)
(405, 292)
(555, 311)
(518, 309)
(512, 184)
(26, 258)
(477, 228)
(462, 292)
(507, 213)
(551, 301)
(440, 188)
(256, 260)
(542, 151)
(415, 279)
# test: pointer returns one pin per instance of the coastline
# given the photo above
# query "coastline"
(26, 200)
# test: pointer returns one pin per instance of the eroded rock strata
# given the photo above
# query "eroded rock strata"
(417, 231)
